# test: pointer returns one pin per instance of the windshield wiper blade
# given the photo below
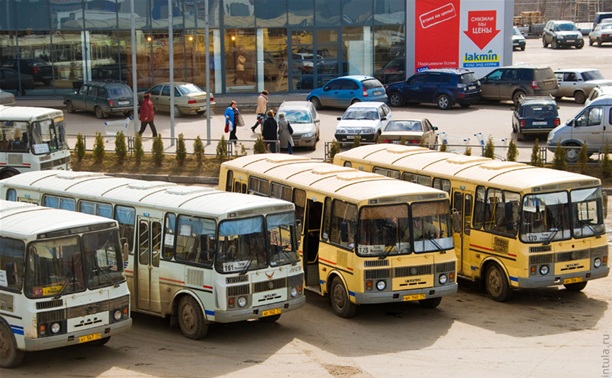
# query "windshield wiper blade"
(555, 231)
(436, 244)
(590, 226)
(69, 277)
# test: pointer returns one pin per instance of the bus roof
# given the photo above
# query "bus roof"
(324, 177)
(20, 220)
(157, 194)
(469, 168)
(26, 113)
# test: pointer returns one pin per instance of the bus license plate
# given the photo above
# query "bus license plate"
(414, 297)
(274, 311)
(572, 280)
(92, 337)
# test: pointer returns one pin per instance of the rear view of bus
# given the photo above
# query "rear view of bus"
(32, 139)
(61, 280)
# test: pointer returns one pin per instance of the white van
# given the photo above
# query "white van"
(591, 126)
(598, 91)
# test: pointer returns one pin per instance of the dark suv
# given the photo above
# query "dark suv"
(562, 34)
(535, 115)
(515, 82)
(40, 69)
(102, 98)
(443, 87)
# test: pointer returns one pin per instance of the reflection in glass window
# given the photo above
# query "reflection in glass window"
(301, 12)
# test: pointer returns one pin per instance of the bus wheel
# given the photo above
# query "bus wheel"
(98, 343)
(575, 286)
(270, 319)
(430, 302)
(10, 356)
(496, 284)
(191, 319)
(340, 301)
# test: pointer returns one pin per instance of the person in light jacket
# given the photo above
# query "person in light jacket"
(284, 134)
(262, 105)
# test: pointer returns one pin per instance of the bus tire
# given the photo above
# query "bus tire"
(496, 284)
(99, 343)
(10, 356)
(430, 302)
(191, 319)
(340, 302)
(575, 287)
(270, 319)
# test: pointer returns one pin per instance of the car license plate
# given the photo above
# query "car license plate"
(572, 280)
(413, 297)
(92, 337)
(274, 311)
(539, 123)
(571, 40)
(123, 103)
(472, 87)
(376, 93)
(350, 137)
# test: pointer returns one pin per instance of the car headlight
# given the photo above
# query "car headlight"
(544, 270)
(117, 315)
(559, 37)
(443, 279)
(381, 285)
(341, 131)
(293, 291)
(551, 136)
(308, 135)
(369, 130)
(55, 327)
(242, 301)
(597, 262)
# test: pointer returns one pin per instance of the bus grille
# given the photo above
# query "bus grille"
(376, 263)
(540, 259)
(237, 279)
(54, 163)
(49, 304)
(412, 271)
(542, 248)
(88, 309)
(378, 273)
(574, 255)
(233, 291)
(269, 285)
(51, 316)
(445, 267)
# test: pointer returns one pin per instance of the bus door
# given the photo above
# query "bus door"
(461, 216)
(148, 252)
(312, 235)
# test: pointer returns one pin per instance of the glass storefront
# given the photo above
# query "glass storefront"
(49, 47)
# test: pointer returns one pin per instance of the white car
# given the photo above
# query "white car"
(304, 121)
(6, 98)
(599, 91)
(366, 119)
(578, 82)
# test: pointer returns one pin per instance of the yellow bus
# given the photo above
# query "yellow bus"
(195, 255)
(356, 236)
(514, 225)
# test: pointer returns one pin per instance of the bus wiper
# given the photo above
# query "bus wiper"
(69, 277)
(587, 222)
(436, 244)
(388, 249)
(106, 275)
(288, 256)
(551, 237)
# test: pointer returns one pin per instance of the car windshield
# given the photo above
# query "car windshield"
(358, 113)
(540, 111)
(296, 116)
(120, 92)
(403, 126)
(592, 75)
(189, 88)
(468, 78)
(372, 83)
(565, 27)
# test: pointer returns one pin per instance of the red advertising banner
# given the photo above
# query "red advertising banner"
(482, 27)
(436, 34)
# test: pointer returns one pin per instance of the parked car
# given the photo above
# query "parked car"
(410, 132)
(514, 82)
(535, 115)
(394, 70)
(40, 69)
(304, 62)
(6, 98)
(562, 33)
(102, 98)
(598, 91)
(578, 82)
(304, 121)
(366, 119)
(9, 79)
(188, 98)
(601, 34)
(592, 126)
(518, 40)
(443, 87)
(346, 90)
(601, 17)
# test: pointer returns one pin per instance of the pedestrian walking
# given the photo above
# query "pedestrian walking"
(147, 114)
(262, 106)
(270, 131)
(284, 133)
(231, 114)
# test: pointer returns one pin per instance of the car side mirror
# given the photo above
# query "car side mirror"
(339, 118)
(434, 128)
(325, 89)
(383, 119)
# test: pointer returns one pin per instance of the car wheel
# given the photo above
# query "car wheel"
(10, 355)
(496, 284)
(341, 304)
(522, 48)
(316, 102)
(579, 97)
(580, 44)
(70, 108)
(177, 111)
(554, 44)
(520, 136)
(444, 102)
(396, 99)
(516, 96)
(590, 42)
(544, 43)
(356, 100)
(572, 151)
(99, 112)
(599, 42)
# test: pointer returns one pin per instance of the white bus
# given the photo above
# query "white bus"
(61, 280)
(32, 139)
(196, 255)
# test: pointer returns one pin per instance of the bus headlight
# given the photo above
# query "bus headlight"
(381, 285)
(443, 279)
(117, 315)
(55, 327)
(293, 291)
(597, 262)
(544, 270)
(242, 301)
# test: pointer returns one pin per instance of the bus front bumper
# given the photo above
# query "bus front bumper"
(222, 316)
(375, 296)
(552, 280)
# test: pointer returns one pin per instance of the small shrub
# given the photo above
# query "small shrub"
(583, 159)
(334, 148)
(559, 158)
(443, 147)
(468, 151)
(158, 150)
(357, 141)
(138, 150)
(513, 151)
(120, 147)
(489, 150)
(606, 166)
(198, 150)
(79, 148)
(181, 150)
(98, 151)
(259, 147)
(536, 158)
(222, 154)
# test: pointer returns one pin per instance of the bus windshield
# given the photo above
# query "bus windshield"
(545, 217)
(71, 264)
(48, 136)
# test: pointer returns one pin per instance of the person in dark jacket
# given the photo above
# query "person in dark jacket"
(147, 114)
(270, 131)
